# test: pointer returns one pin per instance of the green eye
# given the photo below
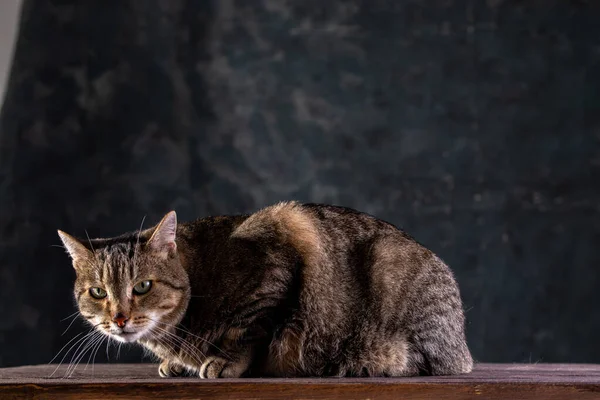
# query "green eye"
(97, 293)
(142, 287)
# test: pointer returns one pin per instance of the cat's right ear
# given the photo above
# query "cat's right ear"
(76, 249)
(163, 238)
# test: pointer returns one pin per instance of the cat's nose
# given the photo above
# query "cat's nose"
(120, 319)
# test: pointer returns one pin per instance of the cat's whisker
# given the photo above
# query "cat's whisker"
(93, 346)
(119, 350)
(177, 341)
(92, 246)
(83, 338)
(108, 342)
(94, 353)
(94, 359)
(169, 346)
(66, 318)
(60, 351)
(88, 336)
(78, 351)
(164, 343)
(73, 320)
(192, 335)
(195, 336)
(90, 343)
(182, 341)
(187, 348)
(186, 352)
(89, 240)
(168, 343)
(137, 243)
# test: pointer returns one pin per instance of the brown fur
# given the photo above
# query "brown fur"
(292, 290)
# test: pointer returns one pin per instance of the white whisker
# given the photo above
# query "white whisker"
(73, 320)
(87, 345)
(195, 336)
(83, 338)
(88, 339)
(137, 243)
(165, 344)
(108, 339)
(57, 354)
(66, 318)
(92, 352)
(187, 348)
(119, 350)
(92, 246)
(93, 355)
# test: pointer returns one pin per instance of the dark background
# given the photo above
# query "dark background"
(474, 125)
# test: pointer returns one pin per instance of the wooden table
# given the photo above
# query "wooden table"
(140, 381)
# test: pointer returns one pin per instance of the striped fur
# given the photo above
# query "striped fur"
(291, 290)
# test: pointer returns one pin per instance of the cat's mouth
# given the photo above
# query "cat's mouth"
(127, 336)
(132, 332)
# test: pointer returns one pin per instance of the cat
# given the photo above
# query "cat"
(293, 290)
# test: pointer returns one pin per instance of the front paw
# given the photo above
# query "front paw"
(217, 367)
(167, 369)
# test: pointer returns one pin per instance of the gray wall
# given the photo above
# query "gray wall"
(474, 125)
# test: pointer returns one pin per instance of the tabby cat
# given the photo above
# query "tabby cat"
(292, 290)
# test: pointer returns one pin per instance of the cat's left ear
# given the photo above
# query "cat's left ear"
(163, 237)
(76, 249)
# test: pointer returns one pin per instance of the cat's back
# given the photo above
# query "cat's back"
(334, 243)
(216, 228)
(207, 241)
(349, 250)
(299, 217)
(321, 231)
(351, 223)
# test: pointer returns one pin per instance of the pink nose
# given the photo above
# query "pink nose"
(120, 319)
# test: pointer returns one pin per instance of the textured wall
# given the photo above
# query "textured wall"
(475, 125)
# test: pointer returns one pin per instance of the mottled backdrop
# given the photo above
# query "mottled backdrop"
(475, 125)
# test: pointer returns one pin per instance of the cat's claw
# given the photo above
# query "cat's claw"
(167, 370)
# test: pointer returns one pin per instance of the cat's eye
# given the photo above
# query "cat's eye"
(97, 293)
(142, 287)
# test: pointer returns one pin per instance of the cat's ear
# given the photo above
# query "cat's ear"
(163, 237)
(74, 247)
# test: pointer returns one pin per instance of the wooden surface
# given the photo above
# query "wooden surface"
(140, 381)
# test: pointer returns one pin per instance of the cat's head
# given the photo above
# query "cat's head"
(133, 286)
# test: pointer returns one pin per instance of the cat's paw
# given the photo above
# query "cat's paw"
(212, 368)
(217, 367)
(167, 369)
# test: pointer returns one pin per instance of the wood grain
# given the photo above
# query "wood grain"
(140, 381)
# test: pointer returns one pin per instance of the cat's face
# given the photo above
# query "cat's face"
(130, 289)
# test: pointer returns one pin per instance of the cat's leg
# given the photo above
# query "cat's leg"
(168, 369)
(390, 355)
(444, 356)
(234, 354)
(438, 331)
